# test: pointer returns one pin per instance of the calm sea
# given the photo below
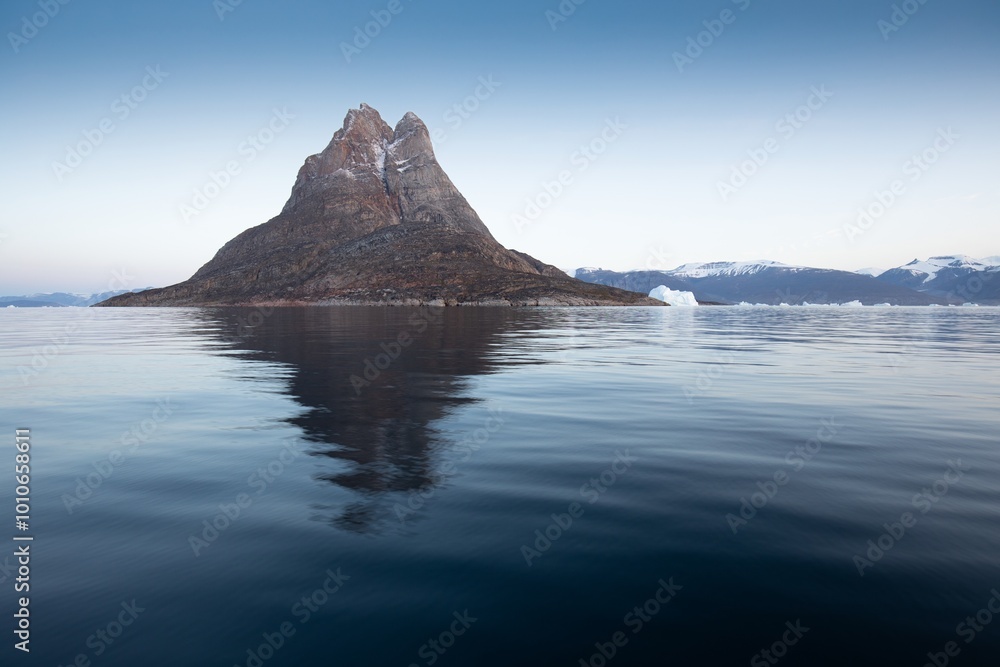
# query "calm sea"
(478, 487)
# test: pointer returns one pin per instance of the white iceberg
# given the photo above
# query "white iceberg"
(673, 297)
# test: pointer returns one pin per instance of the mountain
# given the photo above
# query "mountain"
(870, 271)
(764, 282)
(928, 274)
(955, 278)
(373, 219)
(58, 299)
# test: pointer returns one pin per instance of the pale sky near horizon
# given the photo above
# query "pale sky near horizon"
(845, 109)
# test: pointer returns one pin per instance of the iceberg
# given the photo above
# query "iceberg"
(673, 297)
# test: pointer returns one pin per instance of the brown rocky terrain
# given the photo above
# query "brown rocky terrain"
(373, 219)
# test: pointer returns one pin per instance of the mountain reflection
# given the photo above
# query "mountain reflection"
(374, 381)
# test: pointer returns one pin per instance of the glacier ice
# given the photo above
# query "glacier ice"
(673, 297)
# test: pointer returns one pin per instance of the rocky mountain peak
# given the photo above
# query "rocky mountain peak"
(411, 139)
(364, 124)
(373, 218)
(365, 148)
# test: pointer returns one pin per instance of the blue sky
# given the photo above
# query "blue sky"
(662, 157)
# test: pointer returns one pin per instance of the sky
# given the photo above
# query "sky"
(139, 137)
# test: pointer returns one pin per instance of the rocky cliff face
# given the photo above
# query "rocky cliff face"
(374, 219)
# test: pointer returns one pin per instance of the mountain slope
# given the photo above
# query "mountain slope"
(374, 219)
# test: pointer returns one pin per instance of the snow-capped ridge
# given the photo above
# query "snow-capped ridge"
(705, 269)
(933, 265)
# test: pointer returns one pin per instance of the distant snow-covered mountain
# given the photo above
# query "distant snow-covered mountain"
(59, 299)
(707, 269)
(956, 278)
(919, 271)
(765, 282)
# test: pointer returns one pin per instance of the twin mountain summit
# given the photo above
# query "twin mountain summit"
(374, 219)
